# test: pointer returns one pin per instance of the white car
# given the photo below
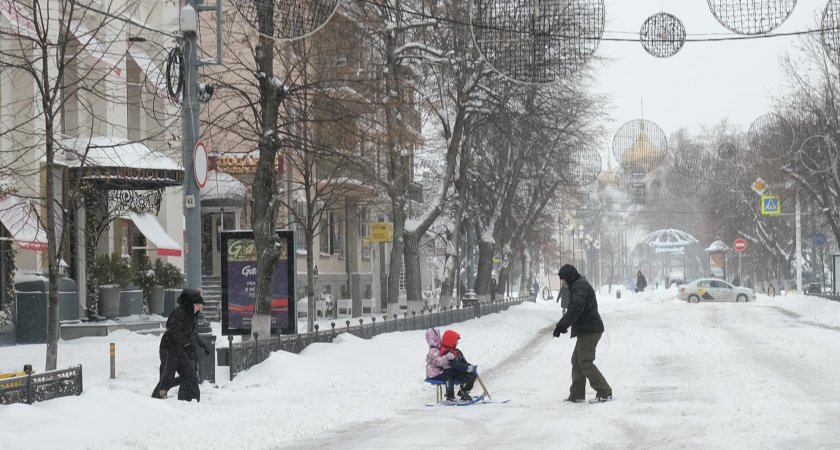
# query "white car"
(713, 289)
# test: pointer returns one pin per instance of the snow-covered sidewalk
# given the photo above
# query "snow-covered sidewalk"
(708, 375)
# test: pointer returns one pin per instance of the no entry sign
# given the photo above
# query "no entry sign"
(740, 245)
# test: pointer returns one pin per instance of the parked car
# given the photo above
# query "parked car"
(712, 289)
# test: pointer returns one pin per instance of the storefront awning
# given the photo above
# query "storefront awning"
(155, 234)
(120, 164)
(23, 225)
(223, 190)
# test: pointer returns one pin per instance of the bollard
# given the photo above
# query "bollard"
(230, 356)
(113, 360)
(618, 293)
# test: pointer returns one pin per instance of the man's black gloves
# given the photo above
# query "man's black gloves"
(558, 330)
(206, 351)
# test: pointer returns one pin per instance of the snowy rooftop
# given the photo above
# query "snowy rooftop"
(106, 151)
(718, 246)
(222, 186)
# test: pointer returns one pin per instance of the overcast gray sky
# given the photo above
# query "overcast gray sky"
(703, 83)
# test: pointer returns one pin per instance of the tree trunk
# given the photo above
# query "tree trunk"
(48, 107)
(310, 275)
(485, 270)
(411, 256)
(52, 248)
(264, 212)
(451, 263)
(395, 264)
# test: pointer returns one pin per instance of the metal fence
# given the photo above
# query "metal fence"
(41, 386)
(834, 298)
(246, 354)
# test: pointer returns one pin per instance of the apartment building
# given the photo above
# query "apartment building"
(116, 134)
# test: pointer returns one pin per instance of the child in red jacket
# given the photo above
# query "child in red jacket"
(459, 370)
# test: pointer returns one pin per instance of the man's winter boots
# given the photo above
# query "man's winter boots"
(600, 399)
(464, 395)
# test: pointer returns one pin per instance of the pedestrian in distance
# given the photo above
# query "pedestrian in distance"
(564, 296)
(586, 325)
(493, 287)
(177, 349)
(641, 282)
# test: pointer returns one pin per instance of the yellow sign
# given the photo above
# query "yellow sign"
(759, 186)
(381, 232)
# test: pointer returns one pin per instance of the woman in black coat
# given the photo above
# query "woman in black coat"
(177, 349)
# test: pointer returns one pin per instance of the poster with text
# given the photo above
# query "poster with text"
(239, 283)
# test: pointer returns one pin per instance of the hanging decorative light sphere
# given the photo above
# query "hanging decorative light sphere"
(818, 153)
(751, 17)
(830, 34)
(771, 136)
(537, 41)
(293, 19)
(640, 146)
(662, 35)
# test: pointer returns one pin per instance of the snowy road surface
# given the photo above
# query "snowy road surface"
(718, 375)
(712, 375)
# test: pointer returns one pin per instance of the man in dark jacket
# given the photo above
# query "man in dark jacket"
(177, 349)
(583, 318)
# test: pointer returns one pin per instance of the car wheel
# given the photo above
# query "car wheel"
(693, 298)
(742, 298)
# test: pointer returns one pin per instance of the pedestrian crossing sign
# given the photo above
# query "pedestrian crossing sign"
(771, 205)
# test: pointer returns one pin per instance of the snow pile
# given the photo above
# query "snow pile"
(807, 308)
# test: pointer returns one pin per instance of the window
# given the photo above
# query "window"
(324, 233)
(364, 231)
(704, 284)
(721, 285)
(300, 222)
(337, 234)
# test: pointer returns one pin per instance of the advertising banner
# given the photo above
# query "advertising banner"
(239, 283)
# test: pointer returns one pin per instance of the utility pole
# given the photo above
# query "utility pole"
(190, 118)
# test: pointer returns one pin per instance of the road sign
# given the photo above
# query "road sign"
(200, 164)
(739, 245)
(771, 205)
(381, 232)
(759, 186)
(819, 239)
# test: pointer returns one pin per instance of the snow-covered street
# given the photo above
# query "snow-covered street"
(710, 375)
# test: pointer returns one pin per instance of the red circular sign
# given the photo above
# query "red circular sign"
(740, 245)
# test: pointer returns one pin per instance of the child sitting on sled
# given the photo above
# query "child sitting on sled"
(445, 362)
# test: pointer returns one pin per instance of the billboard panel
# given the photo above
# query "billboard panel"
(239, 283)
